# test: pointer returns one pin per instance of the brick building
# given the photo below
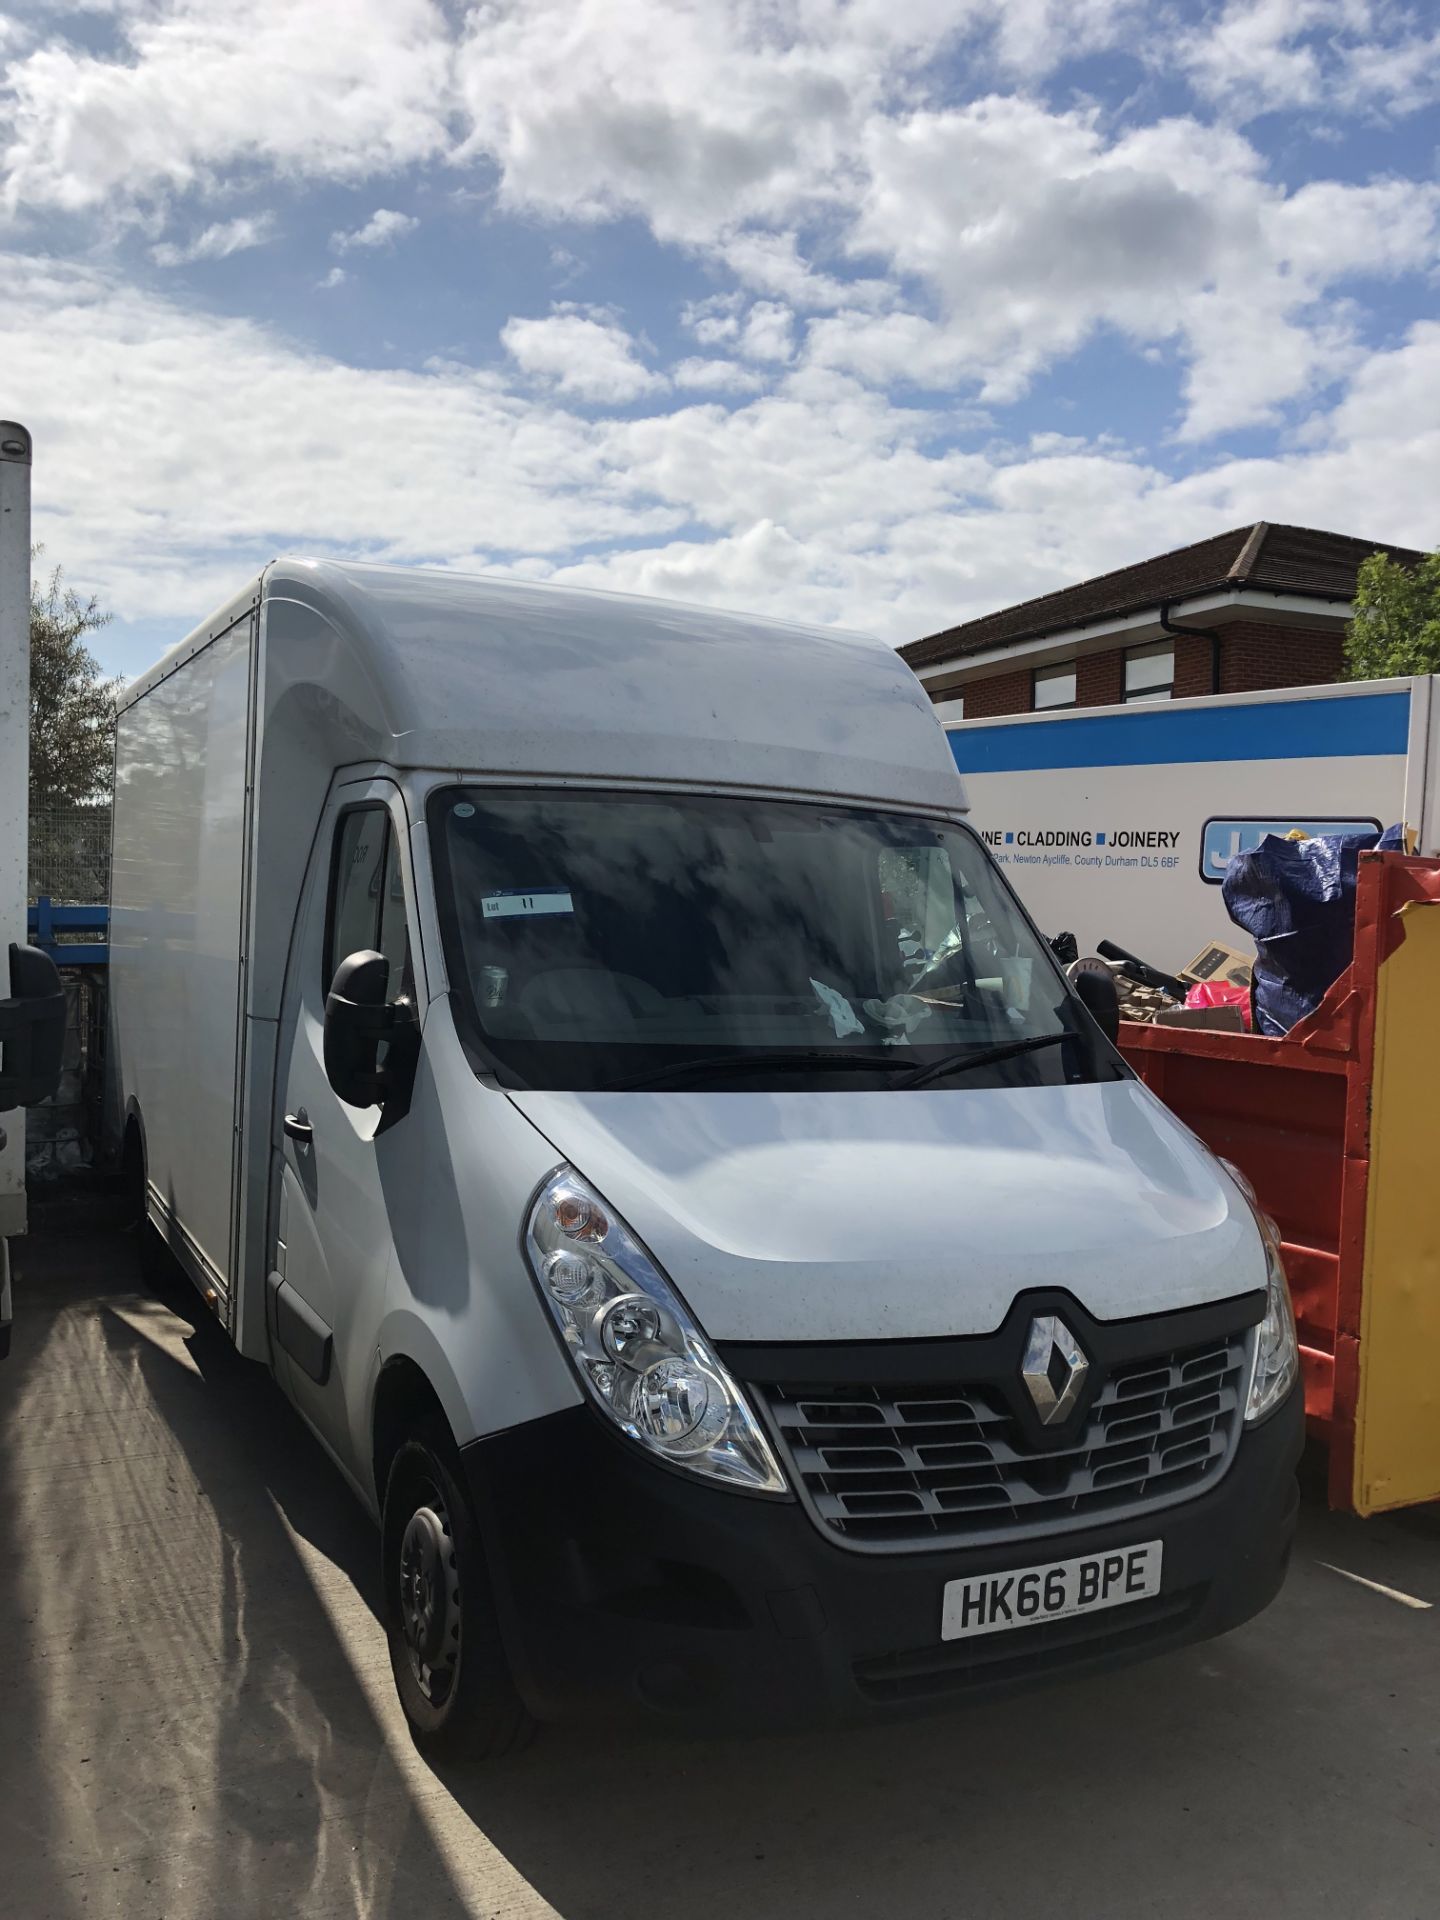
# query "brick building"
(1264, 606)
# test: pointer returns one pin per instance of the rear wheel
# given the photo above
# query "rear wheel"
(450, 1668)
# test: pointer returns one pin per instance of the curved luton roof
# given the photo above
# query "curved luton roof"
(476, 673)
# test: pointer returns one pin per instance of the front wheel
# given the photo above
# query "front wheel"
(450, 1668)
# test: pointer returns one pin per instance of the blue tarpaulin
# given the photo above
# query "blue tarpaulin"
(1296, 898)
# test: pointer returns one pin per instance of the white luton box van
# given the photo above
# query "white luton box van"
(579, 1045)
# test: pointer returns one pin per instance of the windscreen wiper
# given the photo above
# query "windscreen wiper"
(807, 1060)
(961, 1062)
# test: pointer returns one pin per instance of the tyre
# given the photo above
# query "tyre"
(446, 1652)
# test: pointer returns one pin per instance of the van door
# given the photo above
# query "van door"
(333, 1249)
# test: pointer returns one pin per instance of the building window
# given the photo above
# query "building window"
(1150, 672)
(1055, 686)
(952, 707)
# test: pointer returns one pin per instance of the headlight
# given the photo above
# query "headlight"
(1277, 1350)
(634, 1344)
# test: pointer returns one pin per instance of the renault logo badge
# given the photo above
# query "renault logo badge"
(1054, 1368)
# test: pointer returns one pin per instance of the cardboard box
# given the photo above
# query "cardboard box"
(1220, 962)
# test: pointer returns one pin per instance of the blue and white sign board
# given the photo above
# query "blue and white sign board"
(1116, 822)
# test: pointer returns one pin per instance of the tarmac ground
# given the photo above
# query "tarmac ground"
(197, 1716)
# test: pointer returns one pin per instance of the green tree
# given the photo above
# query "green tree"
(72, 704)
(1396, 628)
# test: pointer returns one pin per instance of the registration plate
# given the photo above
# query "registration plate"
(992, 1602)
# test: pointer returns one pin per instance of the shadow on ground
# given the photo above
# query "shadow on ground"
(184, 1733)
(197, 1715)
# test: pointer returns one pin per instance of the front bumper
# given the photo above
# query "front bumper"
(620, 1583)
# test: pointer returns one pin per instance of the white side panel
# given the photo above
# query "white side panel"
(176, 949)
(1422, 784)
(1115, 823)
(14, 765)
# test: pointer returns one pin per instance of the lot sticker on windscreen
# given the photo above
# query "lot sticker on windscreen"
(512, 901)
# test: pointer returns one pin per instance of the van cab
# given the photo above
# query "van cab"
(580, 1045)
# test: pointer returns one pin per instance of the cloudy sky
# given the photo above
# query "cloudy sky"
(879, 312)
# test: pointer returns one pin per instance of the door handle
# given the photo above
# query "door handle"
(298, 1127)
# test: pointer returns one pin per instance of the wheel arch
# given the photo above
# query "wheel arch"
(135, 1154)
(404, 1401)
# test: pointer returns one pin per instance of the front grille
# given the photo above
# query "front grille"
(909, 1467)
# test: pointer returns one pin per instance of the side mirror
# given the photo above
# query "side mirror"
(32, 1029)
(356, 1021)
(1095, 984)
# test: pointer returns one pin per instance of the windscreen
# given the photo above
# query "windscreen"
(597, 939)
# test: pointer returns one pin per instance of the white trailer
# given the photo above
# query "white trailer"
(1117, 822)
(32, 1008)
(14, 778)
(14, 795)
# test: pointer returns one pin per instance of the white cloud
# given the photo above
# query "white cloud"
(1261, 56)
(385, 463)
(197, 88)
(802, 149)
(771, 263)
(1401, 77)
(744, 570)
(1033, 231)
(583, 353)
(696, 114)
(764, 331)
(217, 242)
(1256, 49)
(1257, 340)
(669, 108)
(715, 321)
(818, 500)
(382, 229)
(910, 541)
(704, 115)
(14, 34)
(566, 266)
(890, 349)
(767, 333)
(819, 456)
(718, 375)
(867, 237)
(336, 277)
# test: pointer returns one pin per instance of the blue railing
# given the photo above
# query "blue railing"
(46, 920)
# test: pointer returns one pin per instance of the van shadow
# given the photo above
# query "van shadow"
(186, 1729)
